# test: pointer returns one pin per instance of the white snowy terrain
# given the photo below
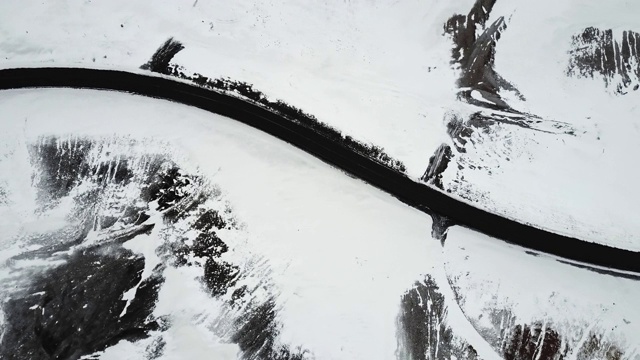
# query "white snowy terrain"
(382, 71)
(335, 260)
(135, 228)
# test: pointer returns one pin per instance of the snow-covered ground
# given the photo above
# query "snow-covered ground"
(335, 254)
(500, 287)
(381, 71)
(340, 253)
(582, 185)
(377, 70)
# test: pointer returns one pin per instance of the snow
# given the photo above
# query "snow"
(475, 94)
(379, 71)
(339, 278)
(582, 186)
(491, 276)
(145, 245)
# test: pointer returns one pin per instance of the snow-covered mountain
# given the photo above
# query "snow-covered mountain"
(135, 228)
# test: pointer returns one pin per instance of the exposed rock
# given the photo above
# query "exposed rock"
(439, 227)
(160, 59)
(616, 59)
(424, 333)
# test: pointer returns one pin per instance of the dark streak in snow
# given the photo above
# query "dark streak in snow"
(180, 196)
(596, 51)
(64, 165)
(423, 332)
(475, 55)
(257, 333)
(538, 340)
(603, 271)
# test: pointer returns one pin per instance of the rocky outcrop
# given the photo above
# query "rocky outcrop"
(614, 58)
(72, 301)
(423, 330)
(437, 165)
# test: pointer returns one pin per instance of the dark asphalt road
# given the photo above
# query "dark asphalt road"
(408, 191)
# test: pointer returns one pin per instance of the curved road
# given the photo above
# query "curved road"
(410, 192)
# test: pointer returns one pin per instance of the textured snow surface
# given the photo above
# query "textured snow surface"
(370, 69)
(381, 71)
(337, 277)
(332, 268)
(584, 312)
(580, 185)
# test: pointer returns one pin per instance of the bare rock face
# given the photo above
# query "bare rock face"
(437, 165)
(159, 62)
(423, 330)
(601, 52)
(474, 51)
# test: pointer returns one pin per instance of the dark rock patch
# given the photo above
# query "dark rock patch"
(475, 54)
(79, 308)
(160, 59)
(597, 348)
(64, 164)
(518, 340)
(474, 41)
(532, 342)
(617, 60)
(423, 332)
(440, 226)
(180, 197)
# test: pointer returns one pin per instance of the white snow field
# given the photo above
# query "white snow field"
(337, 255)
(380, 71)
(340, 252)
